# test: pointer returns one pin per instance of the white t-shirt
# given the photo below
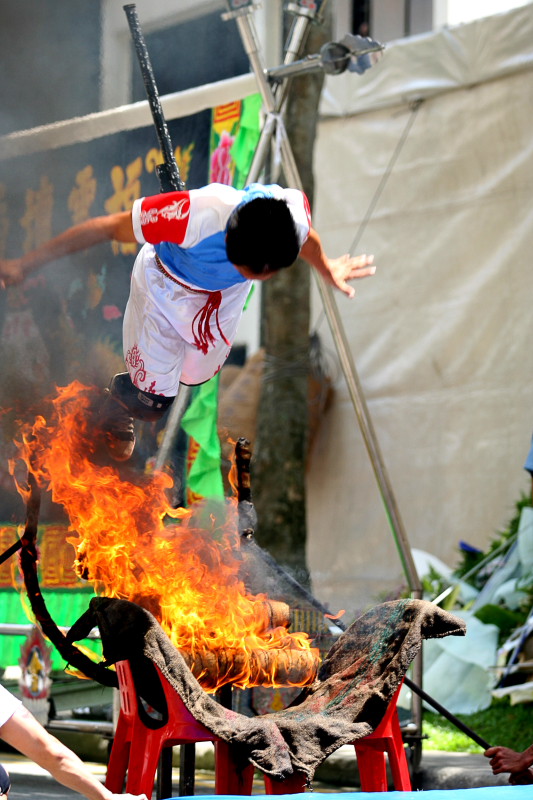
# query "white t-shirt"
(8, 705)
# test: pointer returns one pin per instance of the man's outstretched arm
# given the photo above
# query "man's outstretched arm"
(336, 271)
(503, 759)
(116, 227)
(25, 734)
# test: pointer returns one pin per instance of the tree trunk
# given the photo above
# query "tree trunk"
(281, 445)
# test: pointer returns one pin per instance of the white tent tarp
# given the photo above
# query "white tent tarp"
(441, 336)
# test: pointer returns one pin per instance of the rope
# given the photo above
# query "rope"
(386, 175)
(379, 190)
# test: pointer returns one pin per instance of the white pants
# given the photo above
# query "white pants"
(160, 346)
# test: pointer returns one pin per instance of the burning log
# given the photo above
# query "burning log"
(271, 614)
(276, 614)
(215, 668)
(285, 667)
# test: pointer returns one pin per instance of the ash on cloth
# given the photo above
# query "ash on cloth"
(355, 684)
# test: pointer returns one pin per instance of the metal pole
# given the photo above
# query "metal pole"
(177, 410)
(249, 40)
(11, 551)
(447, 714)
(295, 42)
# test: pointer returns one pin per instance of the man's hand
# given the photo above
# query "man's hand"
(336, 271)
(348, 268)
(11, 273)
(521, 778)
(503, 759)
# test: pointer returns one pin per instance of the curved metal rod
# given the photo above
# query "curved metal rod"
(28, 564)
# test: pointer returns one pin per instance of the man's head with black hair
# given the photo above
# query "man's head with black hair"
(261, 237)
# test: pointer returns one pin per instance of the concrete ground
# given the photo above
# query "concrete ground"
(457, 771)
(438, 770)
(338, 775)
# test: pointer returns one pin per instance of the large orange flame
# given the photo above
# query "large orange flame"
(132, 544)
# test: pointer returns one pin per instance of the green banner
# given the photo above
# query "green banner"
(235, 132)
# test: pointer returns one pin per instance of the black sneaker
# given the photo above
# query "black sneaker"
(117, 427)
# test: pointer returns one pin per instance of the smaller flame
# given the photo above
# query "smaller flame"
(338, 615)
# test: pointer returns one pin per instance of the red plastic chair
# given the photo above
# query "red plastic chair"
(139, 741)
(372, 750)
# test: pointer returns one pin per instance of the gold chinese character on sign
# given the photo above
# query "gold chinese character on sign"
(37, 219)
(127, 186)
(57, 558)
(82, 195)
(8, 536)
(153, 158)
(183, 159)
(183, 156)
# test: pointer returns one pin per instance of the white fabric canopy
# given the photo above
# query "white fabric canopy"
(441, 335)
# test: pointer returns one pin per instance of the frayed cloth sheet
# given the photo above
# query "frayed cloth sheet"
(347, 701)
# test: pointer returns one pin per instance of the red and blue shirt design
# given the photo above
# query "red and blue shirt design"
(188, 229)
